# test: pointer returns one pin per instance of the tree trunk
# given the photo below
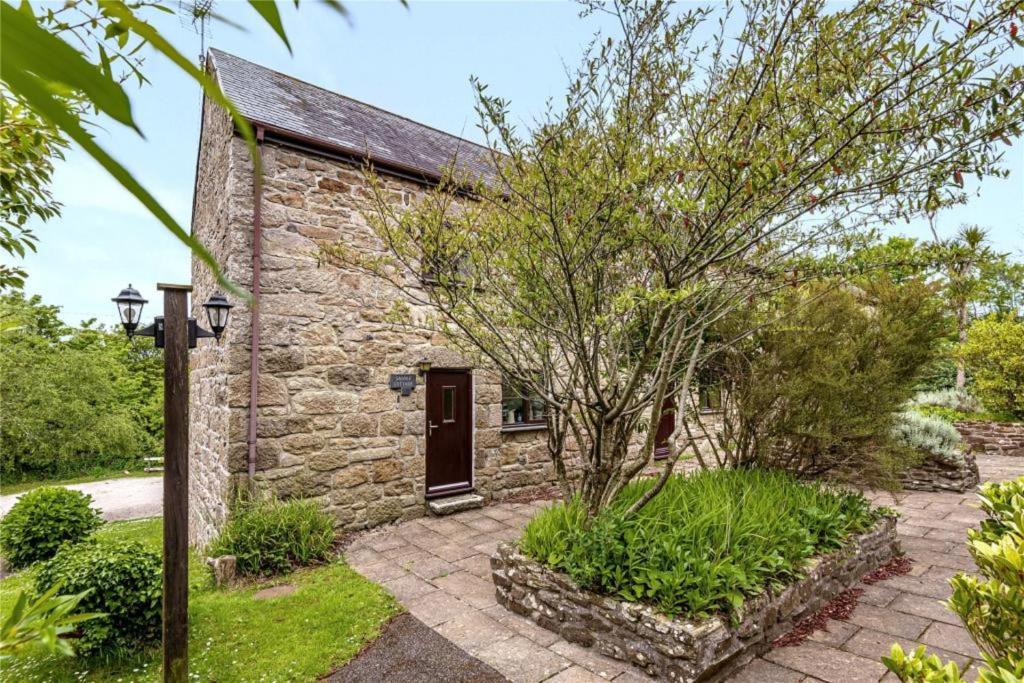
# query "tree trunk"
(961, 323)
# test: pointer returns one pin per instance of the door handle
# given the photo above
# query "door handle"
(432, 427)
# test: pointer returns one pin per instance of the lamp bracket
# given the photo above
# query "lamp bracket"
(156, 330)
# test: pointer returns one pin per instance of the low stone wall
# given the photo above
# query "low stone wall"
(935, 474)
(677, 649)
(999, 438)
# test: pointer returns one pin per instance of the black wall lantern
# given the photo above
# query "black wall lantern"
(218, 310)
(129, 308)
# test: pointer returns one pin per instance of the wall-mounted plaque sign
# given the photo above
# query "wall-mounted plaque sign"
(402, 383)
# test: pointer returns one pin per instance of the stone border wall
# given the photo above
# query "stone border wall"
(935, 474)
(676, 649)
(999, 438)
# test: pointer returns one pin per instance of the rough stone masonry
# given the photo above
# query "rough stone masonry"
(680, 649)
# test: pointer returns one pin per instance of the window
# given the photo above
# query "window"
(448, 404)
(709, 396)
(519, 408)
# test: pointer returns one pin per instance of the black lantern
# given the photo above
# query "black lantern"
(129, 307)
(424, 366)
(217, 312)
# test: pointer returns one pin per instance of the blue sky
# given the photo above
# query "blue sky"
(416, 62)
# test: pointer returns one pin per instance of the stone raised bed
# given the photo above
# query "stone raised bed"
(999, 438)
(678, 649)
(936, 474)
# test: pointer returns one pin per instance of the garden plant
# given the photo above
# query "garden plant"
(274, 536)
(42, 521)
(120, 580)
(990, 605)
(708, 542)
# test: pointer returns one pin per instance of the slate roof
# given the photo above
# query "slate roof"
(287, 106)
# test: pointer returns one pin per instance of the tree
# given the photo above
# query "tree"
(72, 59)
(678, 178)
(28, 146)
(74, 399)
(994, 350)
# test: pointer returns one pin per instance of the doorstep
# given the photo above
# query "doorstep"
(452, 504)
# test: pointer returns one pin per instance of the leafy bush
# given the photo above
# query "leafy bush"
(704, 544)
(929, 434)
(75, 400)
(40, 625)
(817, 394)
(124, 583)
(991, 606)
(272, 536)
(993, 352)
(954, 399)
(42, 520)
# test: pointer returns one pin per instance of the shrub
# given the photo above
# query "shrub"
(929, 434)
(42, 520)
(954, 399)
(991, 606)
(817, 393)
(704, 544)
(272, 536)
(993, 352)
(125, 586)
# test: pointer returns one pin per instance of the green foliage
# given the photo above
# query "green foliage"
(81, 52)
(333, 613)
(124, 583)
(40, 625)
(816, 389)
(28, 147)
(273, 536)
(954, 399)
(993, 352)
(74, 399)
(704, 545)
(929, 434)
(991, 605)
(42, 520)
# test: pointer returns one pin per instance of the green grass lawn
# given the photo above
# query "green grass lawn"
(8, 487)
(299, 637)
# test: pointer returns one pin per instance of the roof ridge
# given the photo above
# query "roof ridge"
(353, 99)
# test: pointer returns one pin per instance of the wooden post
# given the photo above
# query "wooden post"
(175, 606)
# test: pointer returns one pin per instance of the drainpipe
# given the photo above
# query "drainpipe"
(254, 340)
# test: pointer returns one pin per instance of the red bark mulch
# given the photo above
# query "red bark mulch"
(897, 566)
(840, 608)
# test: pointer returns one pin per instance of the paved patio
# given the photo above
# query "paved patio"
(439, 568)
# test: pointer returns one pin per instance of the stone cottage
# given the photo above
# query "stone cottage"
(311, 392)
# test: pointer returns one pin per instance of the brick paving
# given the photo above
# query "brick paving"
(439, 569)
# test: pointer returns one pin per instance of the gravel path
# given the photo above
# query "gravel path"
(127, 498)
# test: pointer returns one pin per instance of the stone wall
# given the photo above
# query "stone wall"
(999, 438)
(328, 426)
(938, 474)
(221, 219)
(677, 649)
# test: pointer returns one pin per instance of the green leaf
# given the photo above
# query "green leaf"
(39, 98)
(268, 10)
(27, 47)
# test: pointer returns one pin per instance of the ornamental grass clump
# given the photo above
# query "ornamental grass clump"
(704, 544)
(273, 536)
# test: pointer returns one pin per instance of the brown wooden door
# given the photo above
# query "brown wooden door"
(449, 432)
(666, 425)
